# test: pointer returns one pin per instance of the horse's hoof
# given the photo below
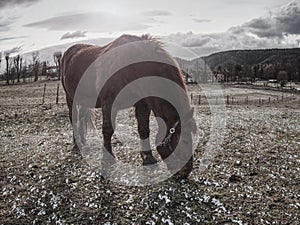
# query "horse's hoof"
(180, 176)
(75, 150)
(108, 161)
(149, 161)
(107, 166)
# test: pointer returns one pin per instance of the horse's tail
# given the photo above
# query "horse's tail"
(90, 117)
(86, 118)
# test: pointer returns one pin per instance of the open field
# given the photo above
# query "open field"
(254, 179)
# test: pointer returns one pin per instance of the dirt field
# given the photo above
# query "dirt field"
(254, 179)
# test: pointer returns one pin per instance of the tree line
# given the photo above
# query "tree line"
(279, 71)
(17, 69)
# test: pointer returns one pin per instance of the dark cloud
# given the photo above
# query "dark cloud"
(7, 3)
(279, 23)
(98, 22)
(289, 18)
(157, 13)
(205, 44)
(6, 22)
(201, 20)
(12, 38)
(75, 34)
(259, 23)
(13, 50)
(59, 22)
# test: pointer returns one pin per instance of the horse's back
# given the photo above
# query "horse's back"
(78, 58)
(72, 52)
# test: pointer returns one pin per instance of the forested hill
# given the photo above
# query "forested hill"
(253, 57)
(251, 64)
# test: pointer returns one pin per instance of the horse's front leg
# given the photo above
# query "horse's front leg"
(142, 113)
(107, 130)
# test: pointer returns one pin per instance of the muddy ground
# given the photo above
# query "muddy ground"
(254, 178)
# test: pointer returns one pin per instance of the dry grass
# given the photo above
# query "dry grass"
(253, 180)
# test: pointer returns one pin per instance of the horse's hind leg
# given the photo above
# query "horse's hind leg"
(72, 120)
(142, 113)
(108, 130)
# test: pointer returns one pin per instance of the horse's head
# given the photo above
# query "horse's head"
(177, 147)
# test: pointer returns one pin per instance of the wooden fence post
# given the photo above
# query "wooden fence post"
(247, 100)
(227, 100)
(57, 94)
(199, 100)
(43, 100)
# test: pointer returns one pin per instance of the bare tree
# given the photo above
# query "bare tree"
(12, 71)
(20, 67)
(16, 61)
(231, 69)
(282, 78)
(7, 68)
(35, 63)
(270, 71)
(57, 58)
(0, 58)
(44, 69)
(24, 71)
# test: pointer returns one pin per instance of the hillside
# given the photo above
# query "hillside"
(262, 63)
(246, 57)
(252, 57)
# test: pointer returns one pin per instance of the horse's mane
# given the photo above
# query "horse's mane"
(153, 39)
(127, 38)
(131, 38)
(159, 46)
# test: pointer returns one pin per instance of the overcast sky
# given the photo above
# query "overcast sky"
(202, 26)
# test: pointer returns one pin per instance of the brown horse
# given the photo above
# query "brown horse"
(78, 59)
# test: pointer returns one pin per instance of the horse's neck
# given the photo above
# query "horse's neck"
(171, 111)
(168, 114)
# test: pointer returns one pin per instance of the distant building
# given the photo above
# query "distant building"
(188, 78)
(52, 71)
(220, 77)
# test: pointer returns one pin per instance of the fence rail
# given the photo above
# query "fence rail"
(52, 93)
(239, 100)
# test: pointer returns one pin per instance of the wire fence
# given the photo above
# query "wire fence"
(199, 99)
(52, 93)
